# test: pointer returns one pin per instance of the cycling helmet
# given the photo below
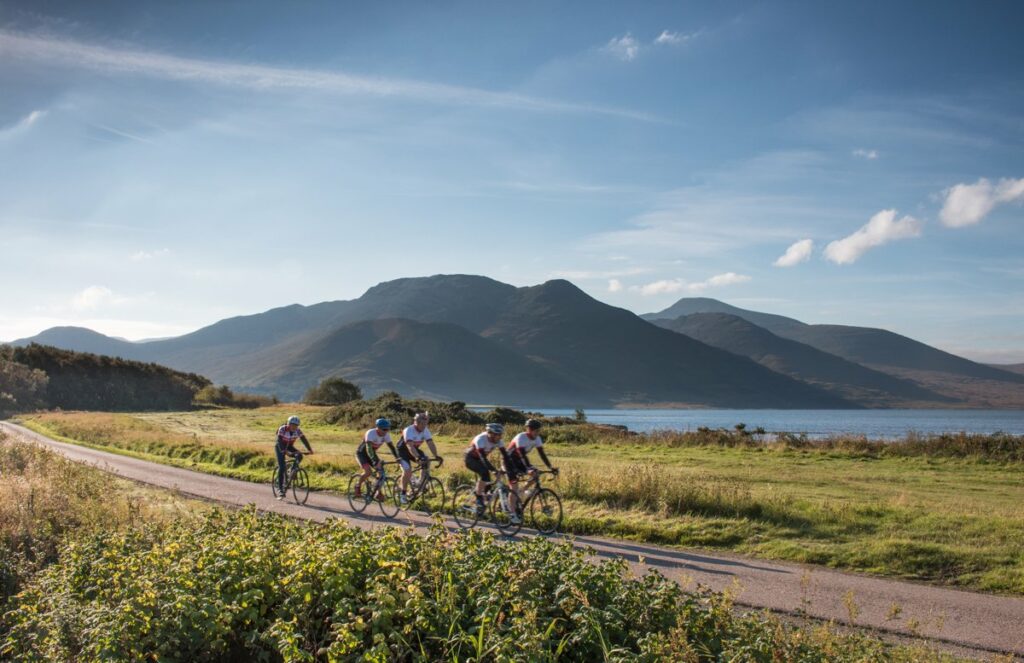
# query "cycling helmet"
(383, 424)
(421, 416)
(497, 429)
(532, 424)
(293, 420)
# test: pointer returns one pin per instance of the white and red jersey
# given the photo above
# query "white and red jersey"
(482, 445)
(414, 438)
(286, 437)
(375, 440)
(522, 443)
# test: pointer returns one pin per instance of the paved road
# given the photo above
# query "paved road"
(974, 621)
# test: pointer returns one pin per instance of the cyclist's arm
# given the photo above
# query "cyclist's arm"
(433, 447)
(505, 457)
(391, 445)
(544, 457)
(305, 443)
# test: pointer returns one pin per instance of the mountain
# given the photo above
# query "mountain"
(977, 385)
(630, 360)
(81, 339)
(484, 340)
(1013, 368)
(423, 359)
(840, 376)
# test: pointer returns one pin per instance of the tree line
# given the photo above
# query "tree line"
(37, 376)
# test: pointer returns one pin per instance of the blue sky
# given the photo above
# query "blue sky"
(165, 167)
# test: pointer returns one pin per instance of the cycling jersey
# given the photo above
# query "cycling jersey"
(286, 437)
(415, 438)
(375, 440)
(482, 445)
(522, 443)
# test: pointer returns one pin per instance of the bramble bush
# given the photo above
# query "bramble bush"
(242, 586)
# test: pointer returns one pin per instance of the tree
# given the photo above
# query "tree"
(21, 387)
(333, 391)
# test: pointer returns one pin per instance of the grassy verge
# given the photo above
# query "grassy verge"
(947, 510)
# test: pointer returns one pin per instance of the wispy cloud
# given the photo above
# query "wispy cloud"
(23, 124)
(94, 297)
(671, 286)
(870, 155)
(614, 285)
(625, 47)
(967, 204)
(881, 229)
(126, 61)
(797, 253)
(140, 256)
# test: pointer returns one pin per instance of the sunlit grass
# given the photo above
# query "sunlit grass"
(942, 518)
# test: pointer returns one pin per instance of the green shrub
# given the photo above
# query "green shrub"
(223, 396)
(333, 391)
(242, 586)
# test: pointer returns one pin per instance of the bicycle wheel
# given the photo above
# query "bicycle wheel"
(300, 486)
(464, 507)
(388, 505)
(501, 518)
(361, 501)
(545, 509)
(273, 483)
(431, 496)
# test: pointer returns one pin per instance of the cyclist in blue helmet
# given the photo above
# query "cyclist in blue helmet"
(285, 446)
(366, 453)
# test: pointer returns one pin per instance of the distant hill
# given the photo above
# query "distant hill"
(1013, 368)
(840, 376)
(977, 385)
(560, 326)
(84, 340)
(561, 341)
(423, 360)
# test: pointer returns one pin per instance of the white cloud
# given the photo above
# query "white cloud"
(797, 253)
(967, 204)
(79, 55)
(881, 229)
(23, 124)
(92, 298)
(140, 256)
(625, 47)
(614, 285)
(670, 286)
(870, 155)
(667, 37)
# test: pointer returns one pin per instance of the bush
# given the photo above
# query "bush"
(22, 388)
(400, 411)
(243, 586)
(333, 391)
(222, 396)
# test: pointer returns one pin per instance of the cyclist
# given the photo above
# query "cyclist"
(366, 454)
(409, 449)
(285, 446)
(476, 460)
(518, 453)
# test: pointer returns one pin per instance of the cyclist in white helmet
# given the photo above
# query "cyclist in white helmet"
(409, 450)
(476, 459)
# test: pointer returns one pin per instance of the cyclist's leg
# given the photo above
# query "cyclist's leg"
(279, 452)
(364, 462)
(405, 462)
(479, 467)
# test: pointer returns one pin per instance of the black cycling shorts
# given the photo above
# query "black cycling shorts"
(410, 456)
(362, 457)
(517, 466)
(478, 465)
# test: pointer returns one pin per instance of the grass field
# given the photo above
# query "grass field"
(927, 516)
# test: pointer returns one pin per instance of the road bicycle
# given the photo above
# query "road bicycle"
(295, 478)
(542, 505)
(497, 505)
(425, 491)
(363, 491)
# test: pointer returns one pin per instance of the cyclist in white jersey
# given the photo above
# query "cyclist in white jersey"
(366, 453)
(476, 461)
(519, 459)
(409, 450)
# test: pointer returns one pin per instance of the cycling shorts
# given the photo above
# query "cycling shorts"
(408, 455)
(478, 465)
